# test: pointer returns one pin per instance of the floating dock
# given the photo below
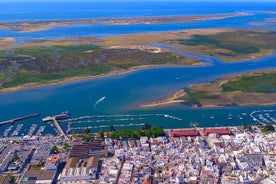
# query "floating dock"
(11, 121)
(56, 124)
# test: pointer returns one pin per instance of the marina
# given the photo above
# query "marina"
(63, 125)
(32, 129)
(17, 130)
(264, 116)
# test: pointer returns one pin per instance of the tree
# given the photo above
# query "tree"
(112, 135)
(247, 127)
(268, 129)
(101, 134)
(87, 130)
(54, 149)
(86, 137)
(112, 129)
(65, 146)
(146, 126)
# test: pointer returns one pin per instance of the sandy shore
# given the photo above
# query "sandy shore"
(6, 43)
(237, 98)
(81, 78)
(175, 98)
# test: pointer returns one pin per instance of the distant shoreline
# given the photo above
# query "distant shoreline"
(81, 78)
(42, 25)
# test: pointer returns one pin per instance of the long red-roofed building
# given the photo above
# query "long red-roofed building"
(184, 133)
(220, 131)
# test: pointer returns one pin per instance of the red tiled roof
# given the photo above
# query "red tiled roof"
(52, 159)
(183, 133)
(220, 131)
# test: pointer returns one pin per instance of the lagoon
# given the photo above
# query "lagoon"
(123, 94)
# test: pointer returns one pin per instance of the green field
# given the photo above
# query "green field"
(45, 64)
(262, 83)
(231, 45)
(213, 41)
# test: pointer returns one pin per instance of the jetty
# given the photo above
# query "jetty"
(11, 121)
(54, 119)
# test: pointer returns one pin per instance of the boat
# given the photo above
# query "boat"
(66, 112)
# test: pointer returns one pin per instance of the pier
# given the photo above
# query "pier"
(56, 124)
(11, 121)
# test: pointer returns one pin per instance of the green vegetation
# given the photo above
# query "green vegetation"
(86, 137)
(25, 76)
(3, 76)
(203, 94)
(54, 149)
(87, 130)
(215, 42)
(45, 51)
(262, 83)
(65, 146)
(136, 133)
(101, 134)
(193, 97)
(268, 129)
(233, 45)
(247, 127)
(46, 64)
(112, 128)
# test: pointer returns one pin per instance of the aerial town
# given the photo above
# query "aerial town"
(226, 155)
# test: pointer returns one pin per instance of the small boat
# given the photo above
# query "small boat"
(66, 112)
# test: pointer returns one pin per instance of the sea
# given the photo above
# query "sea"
(116, 99)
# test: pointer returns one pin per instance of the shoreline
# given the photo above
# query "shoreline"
(44, 25)
(82, 78)
(174, 98)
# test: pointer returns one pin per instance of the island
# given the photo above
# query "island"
(42, 25)
(255, 88)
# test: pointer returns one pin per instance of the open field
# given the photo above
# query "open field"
(258, 88)
(231, 45)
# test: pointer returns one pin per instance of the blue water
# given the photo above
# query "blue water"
(125, 93)
(22, 11)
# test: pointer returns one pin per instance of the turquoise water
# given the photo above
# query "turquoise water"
(118, 97)
(123, 94)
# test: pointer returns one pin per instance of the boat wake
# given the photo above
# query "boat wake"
(117, 120)
(118, 117)
(107, 126)
(97, 102)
